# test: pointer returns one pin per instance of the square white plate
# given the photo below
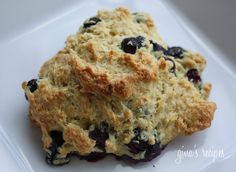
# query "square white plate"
(25, 48)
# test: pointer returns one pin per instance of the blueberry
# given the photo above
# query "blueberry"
(100, 135)
(128, 45)
(127, 158)
(57, 141)
(32, 85)
(136, 145)
(176, 52)
(131, 44)
(140, 41)
(95, 156)
(153, 151)
(57, 137)
(50, 157)
(193, 76)
(92, 21)
(172, 70)
(157, 47)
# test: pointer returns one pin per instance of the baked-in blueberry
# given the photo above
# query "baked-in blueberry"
(140, 41)
(100, 135)
(153, 151)
(50, 157)
(92, 21)
(131, 44)
(157, 47)
(176, 52)
(136, 145)
(172, 70)
(94, 156)
(32, 85)
(57, 137)
(57, 141)
(128, 45)
(193, 76)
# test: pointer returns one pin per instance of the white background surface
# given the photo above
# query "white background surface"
(8, 163)
(32, 31)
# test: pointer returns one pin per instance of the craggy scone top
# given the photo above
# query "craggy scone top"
(115, 86)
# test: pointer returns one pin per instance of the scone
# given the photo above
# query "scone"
(117, 88)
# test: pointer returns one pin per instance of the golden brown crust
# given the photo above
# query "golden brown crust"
(99, 84)
(201, 117)
(79, 138)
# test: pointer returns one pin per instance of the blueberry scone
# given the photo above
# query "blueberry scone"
(118, 89)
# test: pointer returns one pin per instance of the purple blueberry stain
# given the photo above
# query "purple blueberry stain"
(157, 47)
(173, 68)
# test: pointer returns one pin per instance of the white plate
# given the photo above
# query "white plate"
(26, 45)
